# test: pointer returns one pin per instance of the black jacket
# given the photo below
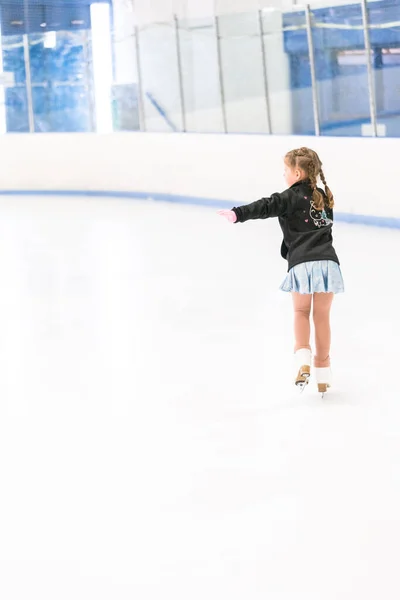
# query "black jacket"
(307, 232)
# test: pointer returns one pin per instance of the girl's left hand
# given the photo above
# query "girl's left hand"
(230, 215)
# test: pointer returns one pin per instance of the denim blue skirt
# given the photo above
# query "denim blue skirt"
(314, 277)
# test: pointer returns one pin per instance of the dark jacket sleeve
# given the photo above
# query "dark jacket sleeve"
(278, 205)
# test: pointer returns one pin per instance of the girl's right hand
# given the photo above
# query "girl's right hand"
(229, 215)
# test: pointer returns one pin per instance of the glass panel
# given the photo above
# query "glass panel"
(125, 94)
(61, 82)
(341, 67)
(384, 19)
(158, 48)
(15, 115)
(288, 72)
(243, 73)
(47, 64)
(59, 74)
(202, 92)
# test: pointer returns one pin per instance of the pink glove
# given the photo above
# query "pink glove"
(229, 215)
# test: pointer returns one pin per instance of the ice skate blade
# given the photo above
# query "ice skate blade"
(302, 382)
(323, 388)
(303, 376)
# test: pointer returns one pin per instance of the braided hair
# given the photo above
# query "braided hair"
(309, 162)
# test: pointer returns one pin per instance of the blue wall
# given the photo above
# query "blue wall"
(61, 98)
(61, 77)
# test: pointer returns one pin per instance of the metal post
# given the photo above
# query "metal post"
(220, 74)
(180, 74)
(142, 115)
(313, 71)
(371, 83)
(28, 77)
(265, 75)
(89, 79)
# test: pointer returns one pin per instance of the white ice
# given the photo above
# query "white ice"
(152, 444)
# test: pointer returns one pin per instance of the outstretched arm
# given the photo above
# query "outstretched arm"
(278, 205)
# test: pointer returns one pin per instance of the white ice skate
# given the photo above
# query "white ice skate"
(303, 367)
(323, 377)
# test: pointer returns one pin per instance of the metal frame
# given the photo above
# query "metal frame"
(89, 79)
(141, 108)
(370, 72)
(28, 72)
(220, 74)
(265, 74)
(180, 73)
(28, 79)
(314, 84)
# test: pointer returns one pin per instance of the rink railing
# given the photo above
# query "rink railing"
(204, 170)
(355, 219)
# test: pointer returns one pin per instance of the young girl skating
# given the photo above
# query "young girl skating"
(306, 218)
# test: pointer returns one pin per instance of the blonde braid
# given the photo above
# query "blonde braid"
(329, 195)
(318, 199)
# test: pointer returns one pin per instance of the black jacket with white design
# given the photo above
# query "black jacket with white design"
(307, 232)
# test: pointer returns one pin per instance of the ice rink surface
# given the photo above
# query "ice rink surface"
(152, 444)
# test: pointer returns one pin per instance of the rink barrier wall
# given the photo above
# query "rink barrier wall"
(373, 221)
(200, 169)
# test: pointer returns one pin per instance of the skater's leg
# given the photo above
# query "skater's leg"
(302, 310)
(321, 316)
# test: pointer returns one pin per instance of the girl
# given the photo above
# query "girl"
(306, 218)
